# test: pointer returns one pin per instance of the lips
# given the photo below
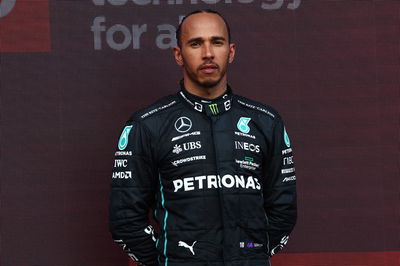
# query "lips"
(209, 68)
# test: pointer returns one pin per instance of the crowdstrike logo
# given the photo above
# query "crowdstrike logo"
(189, 159)
(6, 6)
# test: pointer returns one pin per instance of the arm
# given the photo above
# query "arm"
(280, 190)
(132, 195)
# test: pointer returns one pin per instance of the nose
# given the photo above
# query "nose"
(208, 52)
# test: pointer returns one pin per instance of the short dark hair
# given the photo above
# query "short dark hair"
(178, 30)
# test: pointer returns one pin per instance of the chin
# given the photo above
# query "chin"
(209, 83)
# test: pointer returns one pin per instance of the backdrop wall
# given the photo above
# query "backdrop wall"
(72, 72)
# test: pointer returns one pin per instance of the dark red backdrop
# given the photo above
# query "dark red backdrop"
(330, 67)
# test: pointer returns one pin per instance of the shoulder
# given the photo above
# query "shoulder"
(260, 108)
(154, 110)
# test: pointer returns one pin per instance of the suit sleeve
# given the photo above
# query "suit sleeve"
(280, 189)
(132, 194)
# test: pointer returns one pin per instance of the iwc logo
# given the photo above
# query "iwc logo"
(242, 125)
(183, 124)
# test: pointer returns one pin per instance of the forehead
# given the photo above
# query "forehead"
(204, 25)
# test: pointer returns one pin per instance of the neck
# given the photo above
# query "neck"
(205, 92)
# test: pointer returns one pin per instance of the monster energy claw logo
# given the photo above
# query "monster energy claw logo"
(123, 140)
(286, 138)
(214, 108)
(242, 124)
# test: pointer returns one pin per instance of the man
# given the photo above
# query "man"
(217, 168)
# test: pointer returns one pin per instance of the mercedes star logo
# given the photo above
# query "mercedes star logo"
(183, 124)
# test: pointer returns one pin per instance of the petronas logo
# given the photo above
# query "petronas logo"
(123, 140)
(214, 108)
(242, 124)
(286, 138)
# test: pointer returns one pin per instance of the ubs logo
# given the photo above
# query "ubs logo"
(6, 6)
(24, 26)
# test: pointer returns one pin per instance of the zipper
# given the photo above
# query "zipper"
(220, 195)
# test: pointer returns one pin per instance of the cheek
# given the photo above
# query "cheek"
(190, 61)
(223, 54)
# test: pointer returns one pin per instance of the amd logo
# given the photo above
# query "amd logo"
(6, 6)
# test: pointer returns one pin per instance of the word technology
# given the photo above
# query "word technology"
(265, 4)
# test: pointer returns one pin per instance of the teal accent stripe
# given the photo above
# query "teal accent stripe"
(249, 159)
(165, 222)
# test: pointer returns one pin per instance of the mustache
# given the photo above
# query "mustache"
(208, 65)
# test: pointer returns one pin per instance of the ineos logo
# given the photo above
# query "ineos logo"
(183, 124)
(6, 6)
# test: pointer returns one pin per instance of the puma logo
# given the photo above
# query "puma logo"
(183, 244)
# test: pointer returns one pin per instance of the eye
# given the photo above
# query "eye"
(194, 44)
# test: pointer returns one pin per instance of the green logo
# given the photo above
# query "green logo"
(242, 124)
(286, 138)
(214, 108)
(249, 159)
(123, 140)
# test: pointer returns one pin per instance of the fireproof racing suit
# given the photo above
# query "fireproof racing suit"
(219, 175)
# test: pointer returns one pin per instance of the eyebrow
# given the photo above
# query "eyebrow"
(200, 39)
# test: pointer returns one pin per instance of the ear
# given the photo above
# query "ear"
(232, 50)
(178, 56)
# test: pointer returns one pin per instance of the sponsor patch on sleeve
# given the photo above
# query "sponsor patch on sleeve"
(123, 140)
(286, 138)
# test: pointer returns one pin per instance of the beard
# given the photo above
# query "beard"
(209, 83)
(206, 82)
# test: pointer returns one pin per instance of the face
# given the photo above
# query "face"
(205, 50)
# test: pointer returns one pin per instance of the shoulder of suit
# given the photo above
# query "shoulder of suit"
(161, 105)
(257, 107)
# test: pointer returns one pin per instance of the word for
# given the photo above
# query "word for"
(120, 37)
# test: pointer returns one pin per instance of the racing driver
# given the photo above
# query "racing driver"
(216, 168)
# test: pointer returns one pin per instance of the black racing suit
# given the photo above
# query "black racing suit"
(219, 175)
